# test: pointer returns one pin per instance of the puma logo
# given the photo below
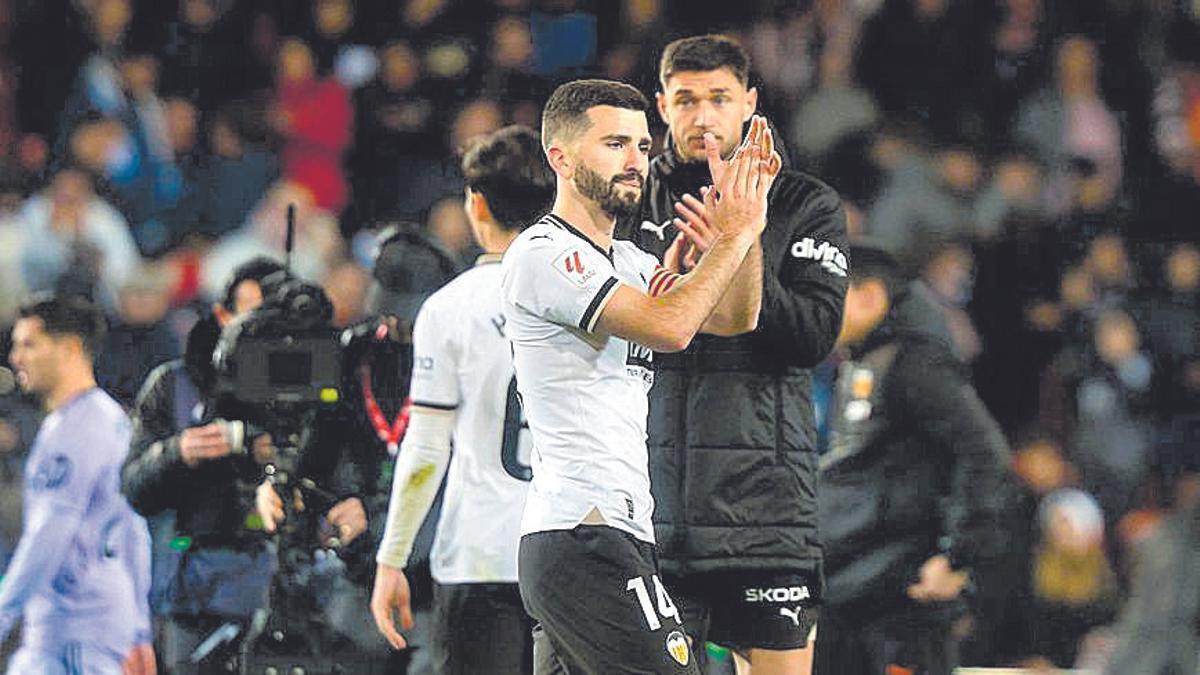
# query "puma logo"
(658, 230)
(793, 614)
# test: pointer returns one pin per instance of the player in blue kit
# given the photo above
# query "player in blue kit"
(81, 573)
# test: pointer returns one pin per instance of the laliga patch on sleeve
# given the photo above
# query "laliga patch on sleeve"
(51, 474)
(574, 267)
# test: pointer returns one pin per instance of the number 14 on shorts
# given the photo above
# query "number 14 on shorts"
(666, 609)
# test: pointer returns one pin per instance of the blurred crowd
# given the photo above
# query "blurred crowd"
(1035, 164)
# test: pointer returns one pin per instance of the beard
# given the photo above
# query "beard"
(605, 193)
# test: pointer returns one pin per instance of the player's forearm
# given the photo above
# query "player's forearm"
(682, 310)
(422, 462)
(738, 310)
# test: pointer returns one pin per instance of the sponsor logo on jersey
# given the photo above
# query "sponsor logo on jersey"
(640, 356)
(780, 594)
(51, 474)
(831, 259)
(640, 363)
(677, 647)
(572, 266)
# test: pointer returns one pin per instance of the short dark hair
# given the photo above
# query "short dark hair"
(703, 53)
(871, 262)
(509, 169)
(566, 111)
(255, 269)
(68, 315)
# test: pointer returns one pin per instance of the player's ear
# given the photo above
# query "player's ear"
(560, 162)
(75, 344)
(477, 206)
(751, 103)
(660, 102)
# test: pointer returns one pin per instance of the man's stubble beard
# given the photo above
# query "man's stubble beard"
(603, 192)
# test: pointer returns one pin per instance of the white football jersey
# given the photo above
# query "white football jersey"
(584, 394)
(463, 361)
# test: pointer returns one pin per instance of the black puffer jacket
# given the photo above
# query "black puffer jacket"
(915, 468)
(731, 432)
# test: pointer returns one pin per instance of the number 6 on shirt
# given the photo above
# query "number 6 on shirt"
(514, 427)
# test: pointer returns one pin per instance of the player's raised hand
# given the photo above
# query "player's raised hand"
(717, 166)
(739, 203)
(674, 255)
(770, 153)
(697, 232)
(390, 597)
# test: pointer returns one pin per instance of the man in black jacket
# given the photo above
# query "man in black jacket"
(207, 473)
(731, 432)
(911, 488)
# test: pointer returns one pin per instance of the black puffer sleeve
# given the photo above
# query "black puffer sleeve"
(803, 298)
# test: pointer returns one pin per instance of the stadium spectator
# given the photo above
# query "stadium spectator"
(1072, 121)
(73, 239)
(313, 117)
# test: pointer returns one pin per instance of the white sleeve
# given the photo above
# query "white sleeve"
(647, 265)
(435, 360)
(424, 456)
(567, 285)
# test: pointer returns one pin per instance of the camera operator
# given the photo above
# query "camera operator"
(194, 454)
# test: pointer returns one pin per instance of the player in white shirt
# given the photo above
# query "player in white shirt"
(463, 390)
(584, 314)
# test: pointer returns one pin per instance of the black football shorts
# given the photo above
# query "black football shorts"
(600, 605)
(750, 609)
(480, 628)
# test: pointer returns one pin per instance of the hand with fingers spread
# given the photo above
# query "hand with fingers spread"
(738, 205)
(765, 140)
(389, 598)
(696, 234)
